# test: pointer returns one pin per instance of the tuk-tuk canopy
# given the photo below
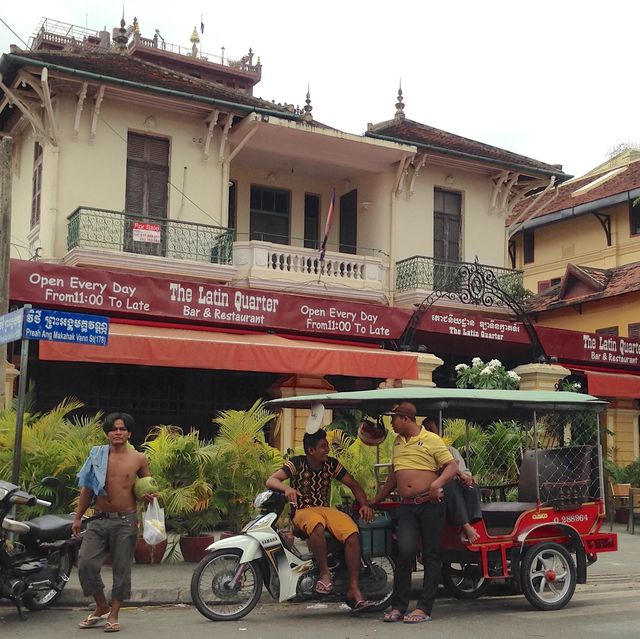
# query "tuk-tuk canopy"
(454, 402)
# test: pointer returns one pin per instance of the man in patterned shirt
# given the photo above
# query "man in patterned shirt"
(310, 478)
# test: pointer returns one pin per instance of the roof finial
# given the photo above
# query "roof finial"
(122, 38)
(399, 116)
(308, 117)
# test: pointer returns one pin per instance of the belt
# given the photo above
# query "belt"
(113, 515)
(416, 499)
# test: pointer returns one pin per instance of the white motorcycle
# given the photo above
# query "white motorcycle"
(227, 583)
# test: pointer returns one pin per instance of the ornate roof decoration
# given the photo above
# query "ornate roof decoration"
(308, 116)
(399, 116)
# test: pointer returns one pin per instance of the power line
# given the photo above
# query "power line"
(14, 33)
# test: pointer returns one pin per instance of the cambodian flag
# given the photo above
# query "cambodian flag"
(327, 226)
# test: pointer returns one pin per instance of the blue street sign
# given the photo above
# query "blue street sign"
(59, 326)
(11, 326)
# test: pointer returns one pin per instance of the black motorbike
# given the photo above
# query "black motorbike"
(36, 556)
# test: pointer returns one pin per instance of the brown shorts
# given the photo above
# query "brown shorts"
(339, 524)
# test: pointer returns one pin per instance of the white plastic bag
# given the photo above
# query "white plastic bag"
(153, 524)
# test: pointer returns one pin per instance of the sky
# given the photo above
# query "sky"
(553, 80)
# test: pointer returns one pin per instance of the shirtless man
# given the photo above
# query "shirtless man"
(109, 473)
(417, 456)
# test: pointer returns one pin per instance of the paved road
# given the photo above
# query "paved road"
(591, 614)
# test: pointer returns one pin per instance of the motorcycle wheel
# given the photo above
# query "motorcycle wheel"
(211, 591)
(41, 599)
(376, 582)
(464, 580)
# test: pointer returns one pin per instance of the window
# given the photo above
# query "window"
(612, 331)
(634, 217)
(147, 175)
(37, 185)
(269, 210)
(447, 217)
(311, 220)
(555, 281)
(528, 246)
(348, 232)
(146, 194)
(634, 330)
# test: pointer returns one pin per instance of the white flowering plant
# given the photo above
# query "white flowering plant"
(490, 375)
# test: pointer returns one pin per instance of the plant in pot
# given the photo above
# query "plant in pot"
(243, 462)
(182, 465)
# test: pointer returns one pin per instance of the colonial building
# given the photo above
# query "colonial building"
(579, 248)
(150, 185)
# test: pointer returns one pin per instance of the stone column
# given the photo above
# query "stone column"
(292, 421)
(10, 374)
(542, 377)
(427, 363)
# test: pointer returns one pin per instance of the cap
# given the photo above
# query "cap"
(406, 409)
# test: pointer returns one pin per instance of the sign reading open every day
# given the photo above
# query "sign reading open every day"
(216, 304)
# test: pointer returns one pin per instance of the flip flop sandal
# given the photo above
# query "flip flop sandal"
(359, 606)
(112, 626)
(416, 617)
(92, 620)
(324, 587)
(393, 616)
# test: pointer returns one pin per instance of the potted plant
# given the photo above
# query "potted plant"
(243, 462)
(183, 466)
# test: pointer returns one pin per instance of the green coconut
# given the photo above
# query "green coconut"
(144, 486)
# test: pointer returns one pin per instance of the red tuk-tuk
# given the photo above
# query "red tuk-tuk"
(537, 459)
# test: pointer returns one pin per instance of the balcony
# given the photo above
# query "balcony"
(418, 276)
(269, 265)
(100, 237)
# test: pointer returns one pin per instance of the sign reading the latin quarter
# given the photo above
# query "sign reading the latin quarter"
(41, 283)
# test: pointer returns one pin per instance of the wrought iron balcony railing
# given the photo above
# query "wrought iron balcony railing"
(130, 233)
(432, 274)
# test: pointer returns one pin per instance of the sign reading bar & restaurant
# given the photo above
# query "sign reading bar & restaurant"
(42, 283)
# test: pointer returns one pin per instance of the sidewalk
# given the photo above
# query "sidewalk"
(170, 583)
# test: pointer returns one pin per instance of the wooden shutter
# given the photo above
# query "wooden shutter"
(634, 331)
(147, 175)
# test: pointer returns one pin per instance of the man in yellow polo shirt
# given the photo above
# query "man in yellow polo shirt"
(417, 456)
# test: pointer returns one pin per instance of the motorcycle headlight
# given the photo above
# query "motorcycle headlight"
(3, 493)
(261, 498)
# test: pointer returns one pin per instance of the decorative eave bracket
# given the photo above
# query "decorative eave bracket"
(211, 121)
(31, 105)
(605, 221)
(80, 106)
(506, 192)
(97, 104)
(417, 167)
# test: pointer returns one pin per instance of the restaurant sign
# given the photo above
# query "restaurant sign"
(114, 293)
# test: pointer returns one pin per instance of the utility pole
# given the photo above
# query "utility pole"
(6, 146)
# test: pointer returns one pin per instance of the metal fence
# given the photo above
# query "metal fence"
(131, 233)
(552, 458)
(432, 274)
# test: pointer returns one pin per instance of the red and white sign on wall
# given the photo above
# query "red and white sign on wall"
(127, 294)
(143, 232)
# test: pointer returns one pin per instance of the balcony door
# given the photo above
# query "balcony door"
(146, 194)
(447, 222)
(349, 222)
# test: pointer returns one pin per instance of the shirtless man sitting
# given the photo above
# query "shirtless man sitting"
(417, 456)
(109, 473)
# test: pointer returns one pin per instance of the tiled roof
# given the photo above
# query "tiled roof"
(605, 284)
(418, 133)
(620, 182)
(147, 75)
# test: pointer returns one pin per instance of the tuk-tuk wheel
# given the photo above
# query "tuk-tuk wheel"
(548, 576)
(464, 580)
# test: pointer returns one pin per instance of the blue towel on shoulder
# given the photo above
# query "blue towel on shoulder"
(93, 474)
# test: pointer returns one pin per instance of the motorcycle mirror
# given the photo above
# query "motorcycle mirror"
(51, 482)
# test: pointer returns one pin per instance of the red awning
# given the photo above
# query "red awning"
(618, 385)
(179, 348)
